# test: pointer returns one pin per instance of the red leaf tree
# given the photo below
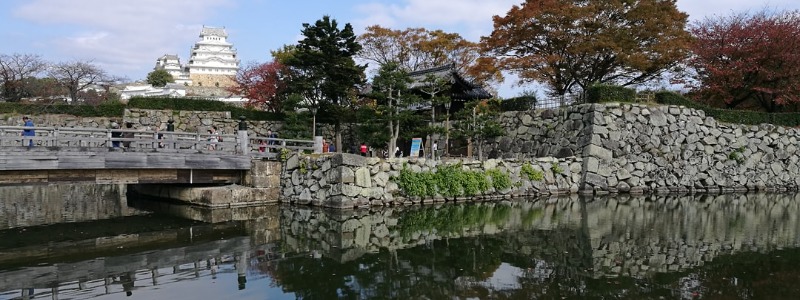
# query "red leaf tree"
(748, 60)
(261, 84)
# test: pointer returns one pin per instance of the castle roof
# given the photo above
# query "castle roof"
(461, 88)
(213, 31)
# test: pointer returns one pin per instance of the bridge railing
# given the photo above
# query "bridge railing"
(270, 147)
(159, 141)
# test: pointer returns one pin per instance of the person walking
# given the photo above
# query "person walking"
(28, 132)
(363, 149)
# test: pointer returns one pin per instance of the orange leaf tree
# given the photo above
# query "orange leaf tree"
(748, 60)
(572, 44)
(415, 49)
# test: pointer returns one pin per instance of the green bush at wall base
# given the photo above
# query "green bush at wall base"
(531, 173)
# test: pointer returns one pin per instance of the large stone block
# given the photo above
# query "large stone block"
(341, 174)
(599, 152)
(340, 202)
(345, 159)
(363, 178)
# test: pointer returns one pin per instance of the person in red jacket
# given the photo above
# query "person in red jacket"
(363, 149)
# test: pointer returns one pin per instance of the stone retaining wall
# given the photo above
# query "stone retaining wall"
(641, 148)
(151, 119)
(351, 181)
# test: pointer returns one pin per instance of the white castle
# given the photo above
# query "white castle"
(212, 61)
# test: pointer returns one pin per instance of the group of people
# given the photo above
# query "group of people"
(270, 141)
(121, 135)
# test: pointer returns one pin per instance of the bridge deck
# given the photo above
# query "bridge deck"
(54, 154)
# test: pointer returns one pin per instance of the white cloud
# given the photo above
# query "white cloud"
(122, 36)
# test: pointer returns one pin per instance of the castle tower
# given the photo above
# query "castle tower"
(172, 64)
(212, 60)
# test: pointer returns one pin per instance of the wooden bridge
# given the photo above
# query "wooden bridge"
(59, 154)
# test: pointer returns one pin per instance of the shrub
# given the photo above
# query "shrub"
(192, 104)
(113, 109)
(599, 93)
(521, 103)
(500, 179)
(730, 115)
(531, 173)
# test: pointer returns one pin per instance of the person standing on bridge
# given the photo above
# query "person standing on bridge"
(28, 132)
(128, 135)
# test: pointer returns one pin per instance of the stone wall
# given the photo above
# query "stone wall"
(212, 80)
(185, 121)
(351, 181)
(541, 133)
(641, 148)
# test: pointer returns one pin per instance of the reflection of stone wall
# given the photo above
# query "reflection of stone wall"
(349, 181)
(22, 206)
(346, 235)
(638, 148)
(620, 236)
(636, 236)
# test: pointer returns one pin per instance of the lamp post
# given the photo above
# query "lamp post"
(313, 121)
(447, 128)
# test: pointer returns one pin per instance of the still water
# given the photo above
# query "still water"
(621, 247)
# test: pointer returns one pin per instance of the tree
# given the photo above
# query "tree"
(390, 89)
(283, 54)
(261, 84)
(159, 78)
(569, 44)
(323, 69)
(415, 49)
(433, 87)
(14, 69)
(43, 88)
(748, 59)
(75, 76)
(477, 122)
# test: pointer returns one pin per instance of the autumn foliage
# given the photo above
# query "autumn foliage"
(415, 49)
(261, 84)
(748, 60)
(572, 44)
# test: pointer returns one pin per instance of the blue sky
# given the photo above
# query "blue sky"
(126, 37)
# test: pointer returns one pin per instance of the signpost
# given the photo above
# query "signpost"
(416, 144)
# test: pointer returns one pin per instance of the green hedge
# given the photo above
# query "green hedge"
(104, 110)
(521, 103)
(609, 93)
(192, 104)
(730, 115)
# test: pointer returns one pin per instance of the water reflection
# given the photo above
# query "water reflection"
(736, 246)
(22, 206)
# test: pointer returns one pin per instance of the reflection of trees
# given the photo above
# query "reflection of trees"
(428, 270)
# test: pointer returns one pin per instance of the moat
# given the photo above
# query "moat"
(742, 246)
